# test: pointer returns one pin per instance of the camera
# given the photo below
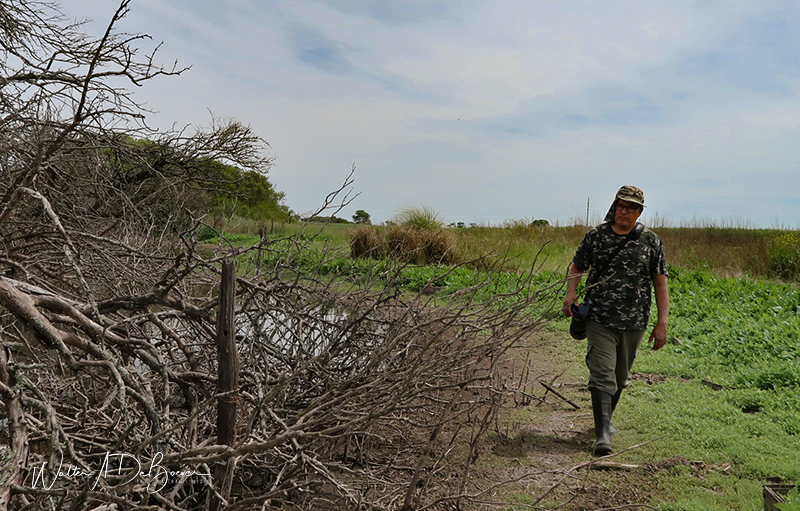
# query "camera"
(579, 311)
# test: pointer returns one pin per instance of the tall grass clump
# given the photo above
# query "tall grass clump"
(436, 247)
(417, 236)
(419, 246)
(402, 244)
(783, 251)
(419, 217)
(365, 241)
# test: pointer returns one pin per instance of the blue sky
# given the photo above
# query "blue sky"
(491, 111)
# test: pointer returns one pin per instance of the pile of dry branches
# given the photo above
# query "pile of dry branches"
(339, 388)
(141, 371)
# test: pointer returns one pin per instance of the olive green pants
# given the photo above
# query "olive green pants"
(610, 355)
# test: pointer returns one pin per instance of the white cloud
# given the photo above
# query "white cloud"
(496, 110)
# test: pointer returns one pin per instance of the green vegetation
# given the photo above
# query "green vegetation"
(325, 219)
(248, 194)
(792, 501)
(743, 334)
(725, 251)
(361, 217)
(521, 243)
(784, 258)
(732, 395)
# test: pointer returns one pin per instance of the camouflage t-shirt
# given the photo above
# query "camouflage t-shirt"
(621, 299)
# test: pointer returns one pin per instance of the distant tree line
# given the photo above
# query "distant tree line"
(360, 217)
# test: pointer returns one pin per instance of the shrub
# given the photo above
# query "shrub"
(365, 241)
(205, 233)
(783, 250)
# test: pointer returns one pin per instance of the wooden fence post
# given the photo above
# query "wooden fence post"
(227, 381)
(17, 432)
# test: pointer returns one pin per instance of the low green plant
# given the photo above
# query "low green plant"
(740, 333)
(792, 501)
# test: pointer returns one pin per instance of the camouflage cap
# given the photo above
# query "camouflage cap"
(631, 194)
(627, 193)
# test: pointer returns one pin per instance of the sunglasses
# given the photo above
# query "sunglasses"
(632, 208)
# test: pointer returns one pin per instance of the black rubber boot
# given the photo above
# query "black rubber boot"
(614, 401)
(601, 408)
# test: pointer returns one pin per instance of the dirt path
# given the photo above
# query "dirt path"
(540, 438)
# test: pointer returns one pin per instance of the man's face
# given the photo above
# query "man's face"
(626, 213)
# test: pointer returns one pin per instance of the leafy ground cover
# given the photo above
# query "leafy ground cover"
(723, 394)
(732, 393)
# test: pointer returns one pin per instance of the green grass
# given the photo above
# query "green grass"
(738, 450)
(714, 493)
(238, 226)
(743, 334)
(523, 246)
(707, 425)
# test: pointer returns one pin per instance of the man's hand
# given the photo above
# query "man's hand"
(573, 278)
(568, 301)
(662, 303)
(659, 336)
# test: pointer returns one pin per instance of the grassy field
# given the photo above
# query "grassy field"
(725, 251)
(729, 381)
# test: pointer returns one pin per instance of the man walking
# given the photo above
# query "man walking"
(625, 258)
